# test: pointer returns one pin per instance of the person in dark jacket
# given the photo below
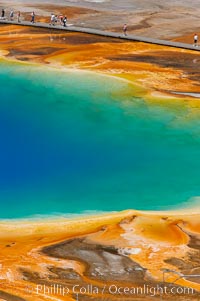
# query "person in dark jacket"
(3, 13)
(65, 21)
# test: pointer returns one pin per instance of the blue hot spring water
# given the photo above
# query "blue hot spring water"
(72, 142)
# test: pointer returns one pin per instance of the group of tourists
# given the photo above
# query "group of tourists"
(54, 19)
(18, 14)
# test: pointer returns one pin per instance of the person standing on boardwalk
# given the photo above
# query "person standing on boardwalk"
(18, 17)
(195, 40)
(125, 29)
(3, 13)
(11, 15)
(52, 21)
(65, 21)
(61, 19)
(33, 17)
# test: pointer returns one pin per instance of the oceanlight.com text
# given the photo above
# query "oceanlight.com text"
(112, 289)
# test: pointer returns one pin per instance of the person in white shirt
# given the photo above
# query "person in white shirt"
(11, 15)
(52, 19)
(195, 40)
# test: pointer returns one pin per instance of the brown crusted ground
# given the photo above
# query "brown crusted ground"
(128, 249)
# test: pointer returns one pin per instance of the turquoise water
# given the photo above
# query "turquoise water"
(72, 142)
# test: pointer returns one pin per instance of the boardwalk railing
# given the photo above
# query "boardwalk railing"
(129, 37)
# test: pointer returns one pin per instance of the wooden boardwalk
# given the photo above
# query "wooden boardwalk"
(109, 34)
